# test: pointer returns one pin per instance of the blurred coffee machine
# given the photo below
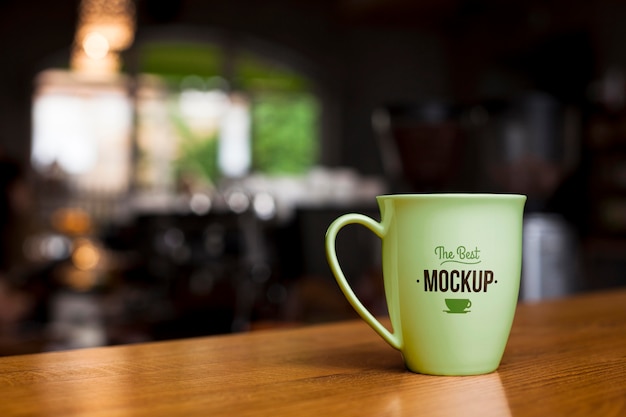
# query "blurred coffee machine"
(530, 145)
(526, 145)
(421, 146)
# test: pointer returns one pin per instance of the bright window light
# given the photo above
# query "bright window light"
(83, 131)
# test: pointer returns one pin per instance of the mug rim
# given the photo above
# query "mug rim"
(428, 196)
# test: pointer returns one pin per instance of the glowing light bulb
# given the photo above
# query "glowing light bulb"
(86, 256)
(96, 45)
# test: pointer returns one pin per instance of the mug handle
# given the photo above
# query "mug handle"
(331, 255)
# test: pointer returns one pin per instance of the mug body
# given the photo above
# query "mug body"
(451, 266)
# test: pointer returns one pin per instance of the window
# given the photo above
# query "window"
(189, 116)
(82, 132)
(263, 119)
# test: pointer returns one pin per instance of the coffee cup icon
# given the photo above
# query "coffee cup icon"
(458, 305)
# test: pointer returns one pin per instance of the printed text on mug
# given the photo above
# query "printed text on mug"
(460, 255)
(458, 280)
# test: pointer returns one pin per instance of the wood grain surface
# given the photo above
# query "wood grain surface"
(564, 358)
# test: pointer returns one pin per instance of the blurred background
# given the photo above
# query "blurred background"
(168, 168)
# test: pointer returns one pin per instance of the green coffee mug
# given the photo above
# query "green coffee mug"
(451, 270)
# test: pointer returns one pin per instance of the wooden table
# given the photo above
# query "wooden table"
(564, 358)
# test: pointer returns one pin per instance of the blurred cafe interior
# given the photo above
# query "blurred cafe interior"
(169, 167)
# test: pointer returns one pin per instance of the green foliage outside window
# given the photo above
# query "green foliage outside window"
(284, 110)
(284, 133)
(197, 154)
(284, 116)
